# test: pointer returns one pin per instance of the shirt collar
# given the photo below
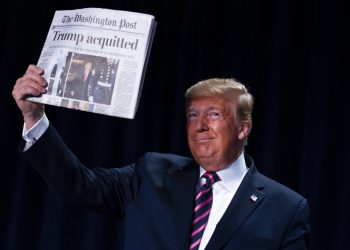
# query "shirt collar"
(231, 174)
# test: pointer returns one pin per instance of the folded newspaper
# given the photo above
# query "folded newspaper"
(95, 60)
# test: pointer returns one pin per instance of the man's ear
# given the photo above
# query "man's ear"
(244, 129)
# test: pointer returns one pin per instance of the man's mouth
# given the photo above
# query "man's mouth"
(204, 139)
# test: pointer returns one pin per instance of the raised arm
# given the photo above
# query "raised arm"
(104, 190)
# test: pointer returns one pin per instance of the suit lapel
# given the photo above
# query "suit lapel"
(182, 186)
(246, 200)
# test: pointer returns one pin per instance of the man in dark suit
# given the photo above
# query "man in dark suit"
(219, 200)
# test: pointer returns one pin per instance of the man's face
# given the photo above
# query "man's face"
(213, 132)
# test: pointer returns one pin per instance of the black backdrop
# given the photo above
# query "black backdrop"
(293, 56)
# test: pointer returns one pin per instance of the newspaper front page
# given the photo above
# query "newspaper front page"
(95, 60)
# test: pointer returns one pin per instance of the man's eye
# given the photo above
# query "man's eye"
(192, 115)
(214, 115)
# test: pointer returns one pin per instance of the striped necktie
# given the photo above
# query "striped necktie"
(203, 202)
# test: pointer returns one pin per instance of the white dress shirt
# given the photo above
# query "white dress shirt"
(34, 133)
(223, 192)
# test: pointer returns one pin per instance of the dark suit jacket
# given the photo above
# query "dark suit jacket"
(155, 197)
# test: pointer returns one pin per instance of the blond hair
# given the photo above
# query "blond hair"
(224, 87)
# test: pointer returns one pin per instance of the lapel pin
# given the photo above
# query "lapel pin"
(253, 198)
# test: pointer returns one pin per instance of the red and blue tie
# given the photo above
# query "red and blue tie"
(203, 202)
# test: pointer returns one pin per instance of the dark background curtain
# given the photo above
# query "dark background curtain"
(293, 56)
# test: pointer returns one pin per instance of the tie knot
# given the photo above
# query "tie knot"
(210, 178)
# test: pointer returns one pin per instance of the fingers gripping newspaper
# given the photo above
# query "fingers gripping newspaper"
(95, 60)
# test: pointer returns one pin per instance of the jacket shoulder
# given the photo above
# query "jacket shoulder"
(156, 160)
(280, 192)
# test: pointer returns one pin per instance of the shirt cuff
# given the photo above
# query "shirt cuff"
(34, 133)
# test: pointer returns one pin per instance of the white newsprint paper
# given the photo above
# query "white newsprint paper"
(95, 60)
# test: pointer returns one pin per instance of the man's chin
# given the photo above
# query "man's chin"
(203, 158)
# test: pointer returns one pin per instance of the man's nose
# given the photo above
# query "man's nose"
(202, 123)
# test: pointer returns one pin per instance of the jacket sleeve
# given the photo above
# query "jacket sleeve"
(107, 191)
(297, 236)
